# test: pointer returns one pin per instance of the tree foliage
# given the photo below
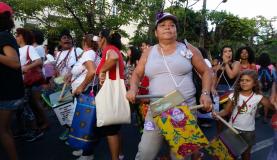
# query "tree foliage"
(84, 16)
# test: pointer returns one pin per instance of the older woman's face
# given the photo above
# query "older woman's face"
(244, 54)
(66, 42)
(166, 30)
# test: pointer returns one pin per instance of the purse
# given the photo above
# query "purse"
(82, 132)
(33, 75)
(112, 107)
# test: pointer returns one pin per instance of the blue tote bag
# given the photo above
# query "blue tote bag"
(82, 132)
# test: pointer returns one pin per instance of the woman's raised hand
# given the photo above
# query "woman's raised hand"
(226, 59)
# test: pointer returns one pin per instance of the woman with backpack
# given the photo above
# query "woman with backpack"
(266, 78)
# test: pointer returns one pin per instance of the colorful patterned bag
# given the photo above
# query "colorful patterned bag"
(81, 135)
(180, 129)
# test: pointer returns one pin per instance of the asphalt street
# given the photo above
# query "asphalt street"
(49, 147)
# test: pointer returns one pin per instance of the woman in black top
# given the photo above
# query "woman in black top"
(11, 83)
(226, 76)
(227, 73)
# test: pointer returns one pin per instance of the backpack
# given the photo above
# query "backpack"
(266, 78)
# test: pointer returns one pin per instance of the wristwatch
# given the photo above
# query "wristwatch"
(206, 93)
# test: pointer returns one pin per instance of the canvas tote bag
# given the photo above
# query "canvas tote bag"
(112, 106)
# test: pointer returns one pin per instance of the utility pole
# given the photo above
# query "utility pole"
(202, 27)
(203, 22)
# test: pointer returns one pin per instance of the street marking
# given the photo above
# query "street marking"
(262, 144)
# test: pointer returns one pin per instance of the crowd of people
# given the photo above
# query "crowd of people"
(29, 73)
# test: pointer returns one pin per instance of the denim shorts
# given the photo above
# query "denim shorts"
(11, 105)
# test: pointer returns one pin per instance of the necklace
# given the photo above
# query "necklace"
(170, 73)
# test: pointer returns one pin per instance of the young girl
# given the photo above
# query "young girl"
(242, 104)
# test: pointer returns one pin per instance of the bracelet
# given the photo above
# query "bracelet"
(206, 93)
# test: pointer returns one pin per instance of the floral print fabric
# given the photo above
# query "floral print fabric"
(180, 129)
(218, 150)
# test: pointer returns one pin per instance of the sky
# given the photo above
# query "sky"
(243, 8)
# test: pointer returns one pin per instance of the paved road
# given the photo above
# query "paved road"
(50, 147)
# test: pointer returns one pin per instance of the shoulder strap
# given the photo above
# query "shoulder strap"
(95, 57)
(76, 57)
(64, 61)
(28, 56)
(170, 73)
(240, 108)
(266, 72)
(59, 54)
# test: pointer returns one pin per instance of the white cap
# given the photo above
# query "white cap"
(95, 38)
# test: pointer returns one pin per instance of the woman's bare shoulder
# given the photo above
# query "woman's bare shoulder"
(236, 63)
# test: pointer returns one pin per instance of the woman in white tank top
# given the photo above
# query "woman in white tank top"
(169, 67)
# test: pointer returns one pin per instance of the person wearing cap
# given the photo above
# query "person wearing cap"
(84, 69)
(83, 79)
(11, 82)
(168, 65)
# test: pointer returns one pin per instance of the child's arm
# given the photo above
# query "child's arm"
(227, 110)
(266, 103)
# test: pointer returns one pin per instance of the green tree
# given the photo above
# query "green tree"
(229, 29)
(146, 13)
(78, 16)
